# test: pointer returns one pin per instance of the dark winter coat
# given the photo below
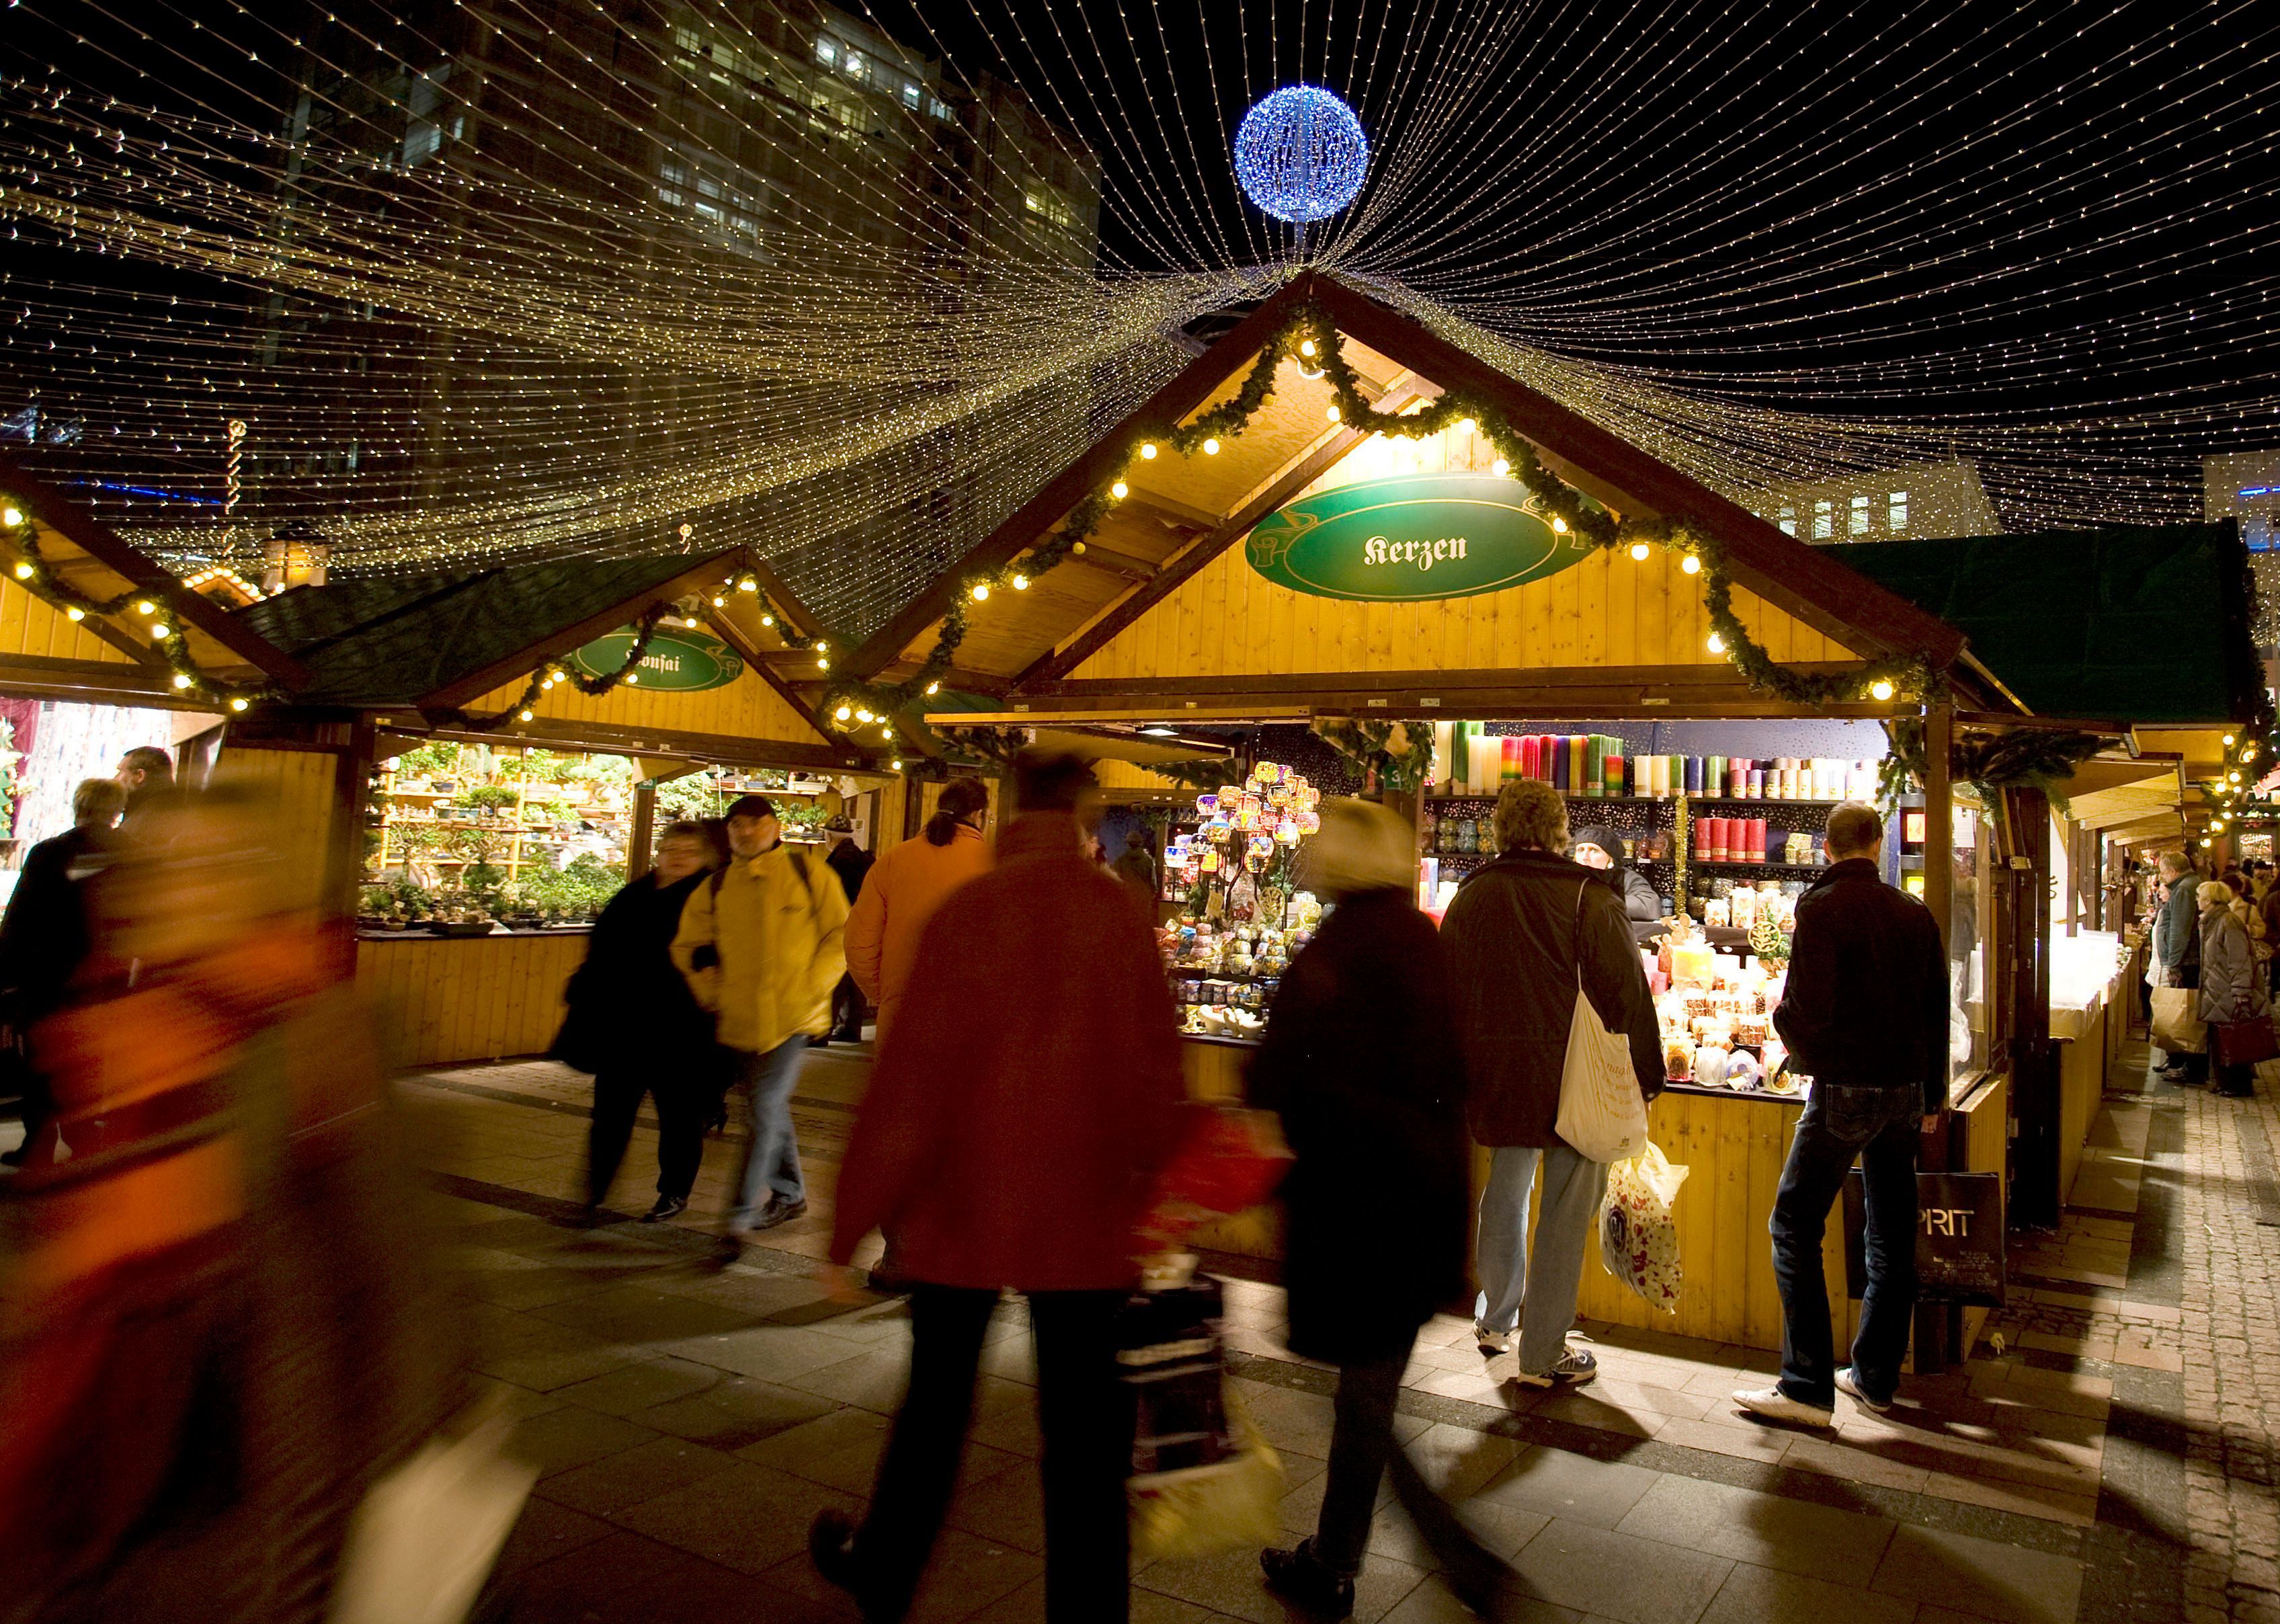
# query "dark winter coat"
(1865, 1004)
(1363, 1061)
(630, 1005)
(1512, 935)
(852, 865)
(44, 935)
(1640, 900)
(2177, 930)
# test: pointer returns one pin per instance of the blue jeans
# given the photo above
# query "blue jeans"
(1881, 1126)
(772, 1155)
(1542, 1277)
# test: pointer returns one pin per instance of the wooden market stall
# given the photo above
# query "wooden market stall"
(1172, 613)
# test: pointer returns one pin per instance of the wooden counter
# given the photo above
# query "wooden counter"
(445, 1000)
(1733, 1144)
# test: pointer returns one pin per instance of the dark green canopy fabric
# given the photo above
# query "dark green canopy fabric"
(2131, 623)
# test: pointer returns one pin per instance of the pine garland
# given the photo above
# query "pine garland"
(1400, 753)
(1987, 764)
(547, 675)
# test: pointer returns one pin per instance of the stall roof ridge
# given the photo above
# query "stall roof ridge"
(1852, 609)
(400, 640)
(2138, 623)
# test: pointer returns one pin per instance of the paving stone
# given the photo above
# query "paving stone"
(748, 1518)
(1619, 1575)
(1574, 1487)
(1766, 1530)
(626, 1579)
(633, 1475)
(1753, 1595)
(1979, 1576)
(771, 1352)
(567, 1437)
(544, 1531)
(640, 1386)
(963, 1574)
(735, 1412)
(1231, 1583)
(642, 1314)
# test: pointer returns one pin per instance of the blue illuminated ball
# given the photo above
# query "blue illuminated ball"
(1300, 154)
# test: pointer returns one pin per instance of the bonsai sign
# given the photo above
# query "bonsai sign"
(681, 659)
(1412, 540)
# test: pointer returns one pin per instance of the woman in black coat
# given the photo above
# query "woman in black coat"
(1361, 1060)
(634, 1023)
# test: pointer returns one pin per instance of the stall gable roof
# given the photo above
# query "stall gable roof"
(445, 639)
(2138, 623)
(1803, 582)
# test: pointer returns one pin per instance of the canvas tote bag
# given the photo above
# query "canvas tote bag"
(1601, 1113)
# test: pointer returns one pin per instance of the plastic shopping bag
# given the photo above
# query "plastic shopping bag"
(426, 1536)
(1232, 1505)
(1638, 1228)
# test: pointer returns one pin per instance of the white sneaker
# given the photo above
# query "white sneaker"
(1494, 1343)
(1850, 1384)
(1776, 1406)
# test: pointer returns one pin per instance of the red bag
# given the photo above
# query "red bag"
(2244, 1043)
(1231, 1158)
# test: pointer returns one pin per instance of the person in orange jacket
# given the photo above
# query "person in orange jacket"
(905, 887)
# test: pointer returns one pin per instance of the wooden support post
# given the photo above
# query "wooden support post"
(638, 843)
(2036, 1197)
(1935, 1325)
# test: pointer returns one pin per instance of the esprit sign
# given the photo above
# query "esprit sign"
(1412, 540)
(680, 659)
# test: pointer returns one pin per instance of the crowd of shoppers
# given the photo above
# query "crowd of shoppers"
(2216, 936)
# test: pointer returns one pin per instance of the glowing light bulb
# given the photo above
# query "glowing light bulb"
(75, 613)
(182, 679)
(1020, 583)
(1560, 526)
(1501, 468)
(237, 704)
(981, 591)
(1077, 548)
(1119, 490)
(896, 764)
(1148, 450)
(843, 712)
(2232, 778)
(1692, 565)
(524, 715)
(719, 602)
(1306, 347)
(1638, 552)
(1210, 447)
(934, 687)
(1882, 690)
(11, 514)
(161, 632)
(822, 648)
(887, 734)
(632, 676)
(147, 607)
(1717, 643)
(748, 585)
(2228, 741)
(823, 665)
(1466, 426)
(23, 571)
(864, 715)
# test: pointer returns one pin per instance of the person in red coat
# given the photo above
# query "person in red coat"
(1025, 1098)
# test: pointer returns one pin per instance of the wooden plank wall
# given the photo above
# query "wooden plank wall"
(2082, 1088)
(1604, 611)
(303, 786)
(30, 625)
(443, 1002)
(746, 709)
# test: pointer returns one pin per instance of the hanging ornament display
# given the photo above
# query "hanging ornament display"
(1300, 154)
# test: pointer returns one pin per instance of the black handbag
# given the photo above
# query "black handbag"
(2244, 1043)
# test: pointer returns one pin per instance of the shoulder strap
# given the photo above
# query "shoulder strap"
(1579, 931)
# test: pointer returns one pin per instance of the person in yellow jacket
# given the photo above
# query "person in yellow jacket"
(763, 943)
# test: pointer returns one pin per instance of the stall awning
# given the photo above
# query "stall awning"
(2131, 623)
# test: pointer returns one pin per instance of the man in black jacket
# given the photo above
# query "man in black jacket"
(852, 865)
(1864, 1015)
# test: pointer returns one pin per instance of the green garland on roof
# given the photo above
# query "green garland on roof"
(1312, 339)
(1987, 764)
(547, 675)
(1400, 753)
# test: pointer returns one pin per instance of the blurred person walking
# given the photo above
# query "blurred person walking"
(43, 939)
(1135, 865)
(903, 888)
(853, 865)
(761, 943)
(219, 1326)
(1362, 1062)
(1522, 933)
(1865, 1014)
(2232, 988)
(634, 1023)
(1026, 1095)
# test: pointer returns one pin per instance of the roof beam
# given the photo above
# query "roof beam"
(726, 629)
(58, 512)
(1167, 406)
(1804, 581)
(476, 683)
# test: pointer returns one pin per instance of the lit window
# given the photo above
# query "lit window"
(856, 68)
(423, 142)
(936, 108)
(2256, 533)
(1789, 519)
(668, 196)
(672, 172)
(1049, 207)
(708, 211)
(722, 54)
(826, 52)
(688, 39)
(1824, 520)
(1897, 512)
(1859, 519)
(911, 96)
(707, 186)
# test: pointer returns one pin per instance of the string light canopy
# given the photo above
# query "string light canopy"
(483, 282)
(1300, 154)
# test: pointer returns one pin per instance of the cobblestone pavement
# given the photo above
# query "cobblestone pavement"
(2105, 1456)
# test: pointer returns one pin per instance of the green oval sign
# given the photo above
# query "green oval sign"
(680, 659)
(1412, 539)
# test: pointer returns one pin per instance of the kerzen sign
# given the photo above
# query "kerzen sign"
(680, 659)
(1412, 540)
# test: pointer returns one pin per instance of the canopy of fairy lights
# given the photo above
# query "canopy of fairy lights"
(461, 283)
